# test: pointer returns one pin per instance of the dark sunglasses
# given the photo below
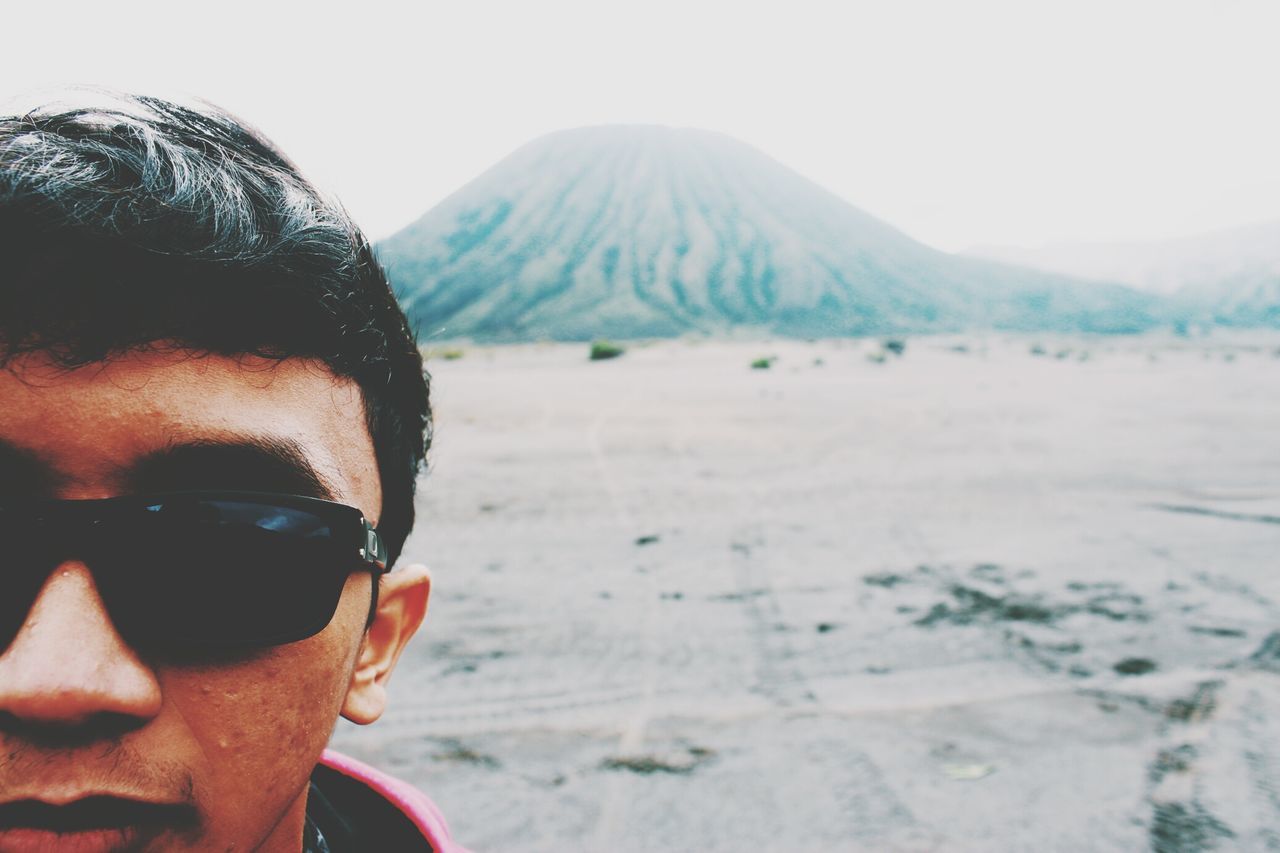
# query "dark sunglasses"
(202, 570)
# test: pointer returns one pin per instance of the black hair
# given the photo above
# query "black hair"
(143, 223)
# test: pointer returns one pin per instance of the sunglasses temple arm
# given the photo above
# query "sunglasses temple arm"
(374, 553)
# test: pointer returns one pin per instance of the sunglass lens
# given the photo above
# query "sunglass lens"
(25, 564)
(225, 573)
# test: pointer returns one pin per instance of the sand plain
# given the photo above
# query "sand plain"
(996, 593)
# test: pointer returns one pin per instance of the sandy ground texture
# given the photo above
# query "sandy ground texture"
(990, 594)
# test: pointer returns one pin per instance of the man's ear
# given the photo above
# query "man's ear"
(402, 604)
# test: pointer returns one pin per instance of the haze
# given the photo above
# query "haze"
(1005, 123)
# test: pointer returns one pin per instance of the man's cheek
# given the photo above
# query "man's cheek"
(267, 722)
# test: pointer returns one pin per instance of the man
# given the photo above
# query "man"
(212, 416)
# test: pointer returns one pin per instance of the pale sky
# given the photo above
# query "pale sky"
(963, 122)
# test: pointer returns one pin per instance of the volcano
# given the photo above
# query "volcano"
(646, 231)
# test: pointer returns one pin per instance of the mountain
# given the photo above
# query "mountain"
(1231, 277)
(645, 231)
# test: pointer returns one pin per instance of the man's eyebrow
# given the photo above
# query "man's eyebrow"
(256, 463)
(23, 472)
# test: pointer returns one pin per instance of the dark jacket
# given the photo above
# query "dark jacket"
(353, 808)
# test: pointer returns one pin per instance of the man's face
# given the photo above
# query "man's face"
(227, 743)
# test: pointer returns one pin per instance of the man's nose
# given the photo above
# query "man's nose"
(68, 666)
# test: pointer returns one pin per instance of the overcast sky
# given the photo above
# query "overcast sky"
(963, 122)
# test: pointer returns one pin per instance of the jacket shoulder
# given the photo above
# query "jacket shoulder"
(360, 791)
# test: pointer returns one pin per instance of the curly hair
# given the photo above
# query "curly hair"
(144, 223)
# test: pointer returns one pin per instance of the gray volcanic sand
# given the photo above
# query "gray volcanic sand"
(974, 597)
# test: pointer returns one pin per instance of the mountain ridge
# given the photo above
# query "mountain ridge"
(1229, 276)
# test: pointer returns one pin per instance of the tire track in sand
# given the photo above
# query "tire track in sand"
(614, 800)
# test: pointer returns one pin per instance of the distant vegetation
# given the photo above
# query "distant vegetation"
(447, 354)
(895, 346)
(763, 363)
(601, 350)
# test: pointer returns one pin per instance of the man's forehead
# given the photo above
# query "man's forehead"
(93, 425)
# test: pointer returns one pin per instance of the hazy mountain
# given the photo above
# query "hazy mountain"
(1230, 276)
(640, 231)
